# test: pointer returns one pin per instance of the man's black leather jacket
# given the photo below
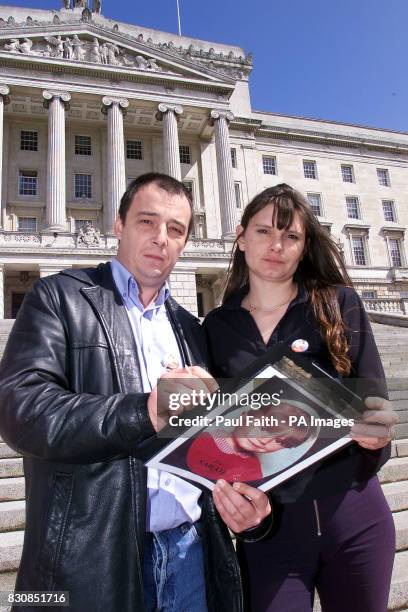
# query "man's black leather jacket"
(71, 404)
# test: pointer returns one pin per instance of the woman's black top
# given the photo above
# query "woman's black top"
(235, 341)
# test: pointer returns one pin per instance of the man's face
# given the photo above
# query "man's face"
(153, 234)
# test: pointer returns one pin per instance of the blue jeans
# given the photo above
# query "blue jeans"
(173, 570)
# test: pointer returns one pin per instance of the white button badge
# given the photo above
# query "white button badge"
(299, 346)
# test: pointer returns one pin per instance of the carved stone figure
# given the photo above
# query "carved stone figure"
(58, 44)
(151, 64)
(140, 62)
(95, 54)
(68, 48)
(79, 3)
(25, 46)
(13, 45)
(113, 52)
(103, 50)
(88, 235)
(66, 4)
(96, 6)
(86, 15)
(79, 48)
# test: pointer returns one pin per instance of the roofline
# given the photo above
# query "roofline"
(330, 121)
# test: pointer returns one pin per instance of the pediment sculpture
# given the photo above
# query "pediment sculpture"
(74, 48)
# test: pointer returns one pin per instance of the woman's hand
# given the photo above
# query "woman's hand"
(376, 428)
(240, 506)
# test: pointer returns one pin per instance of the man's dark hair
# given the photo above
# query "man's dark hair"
(165, 182)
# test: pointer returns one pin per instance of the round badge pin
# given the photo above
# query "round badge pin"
(299, 346)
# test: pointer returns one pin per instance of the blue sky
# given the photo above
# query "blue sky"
(344, 60)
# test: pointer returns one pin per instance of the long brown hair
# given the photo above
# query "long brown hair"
(320, 270)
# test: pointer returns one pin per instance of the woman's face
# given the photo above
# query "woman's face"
(272, 254)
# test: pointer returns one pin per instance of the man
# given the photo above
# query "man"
(78, 399)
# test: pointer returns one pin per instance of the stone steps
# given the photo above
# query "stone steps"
(395, 470)
(401, 529)
(12, 515)
(11, 546)
(11, 467)
(12, 489)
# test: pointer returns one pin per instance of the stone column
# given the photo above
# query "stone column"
(228, 206)
(55, 216)
(169, 115)
(4, 99)
(115, 108)
(2, 274)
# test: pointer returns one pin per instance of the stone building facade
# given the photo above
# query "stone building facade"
(87, 104)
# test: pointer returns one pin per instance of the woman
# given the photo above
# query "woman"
(334, 530)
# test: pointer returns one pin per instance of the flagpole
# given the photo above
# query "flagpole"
(178, 17)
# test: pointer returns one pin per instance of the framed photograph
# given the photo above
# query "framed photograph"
(280, 416)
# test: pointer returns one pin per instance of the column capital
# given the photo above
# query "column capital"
(49, 94)
(215, 115)
(163, 108)
(4, 93)
(108, 101)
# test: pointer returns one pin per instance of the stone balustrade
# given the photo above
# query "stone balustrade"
(387, 305)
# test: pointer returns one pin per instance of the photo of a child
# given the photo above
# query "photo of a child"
(250, 452)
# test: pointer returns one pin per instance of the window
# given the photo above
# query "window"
(80, 223)
(83, 186)
(315, 202)
(353, 211)
(358, 245)
(27, 224)
(28, 140)
(394, 245)
(185, 156)
(383, 177)
(389, 210)
(269, 164)
(368, 294)
(238, 199)
(190, 187)
(309, 169)
(234, 158)
(83, 145)
(347, 174)
(134, 149)
(27, 183)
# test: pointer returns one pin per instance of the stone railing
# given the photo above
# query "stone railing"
(387, 305)
(20, 238)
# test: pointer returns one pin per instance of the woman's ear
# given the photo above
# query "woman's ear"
(240, 237)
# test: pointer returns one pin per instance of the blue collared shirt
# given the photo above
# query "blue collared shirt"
(171, 500)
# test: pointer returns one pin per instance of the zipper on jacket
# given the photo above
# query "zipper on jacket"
(319, 532)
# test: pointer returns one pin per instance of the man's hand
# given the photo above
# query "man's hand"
(240, 506)
(375, 429)
(179, 381)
